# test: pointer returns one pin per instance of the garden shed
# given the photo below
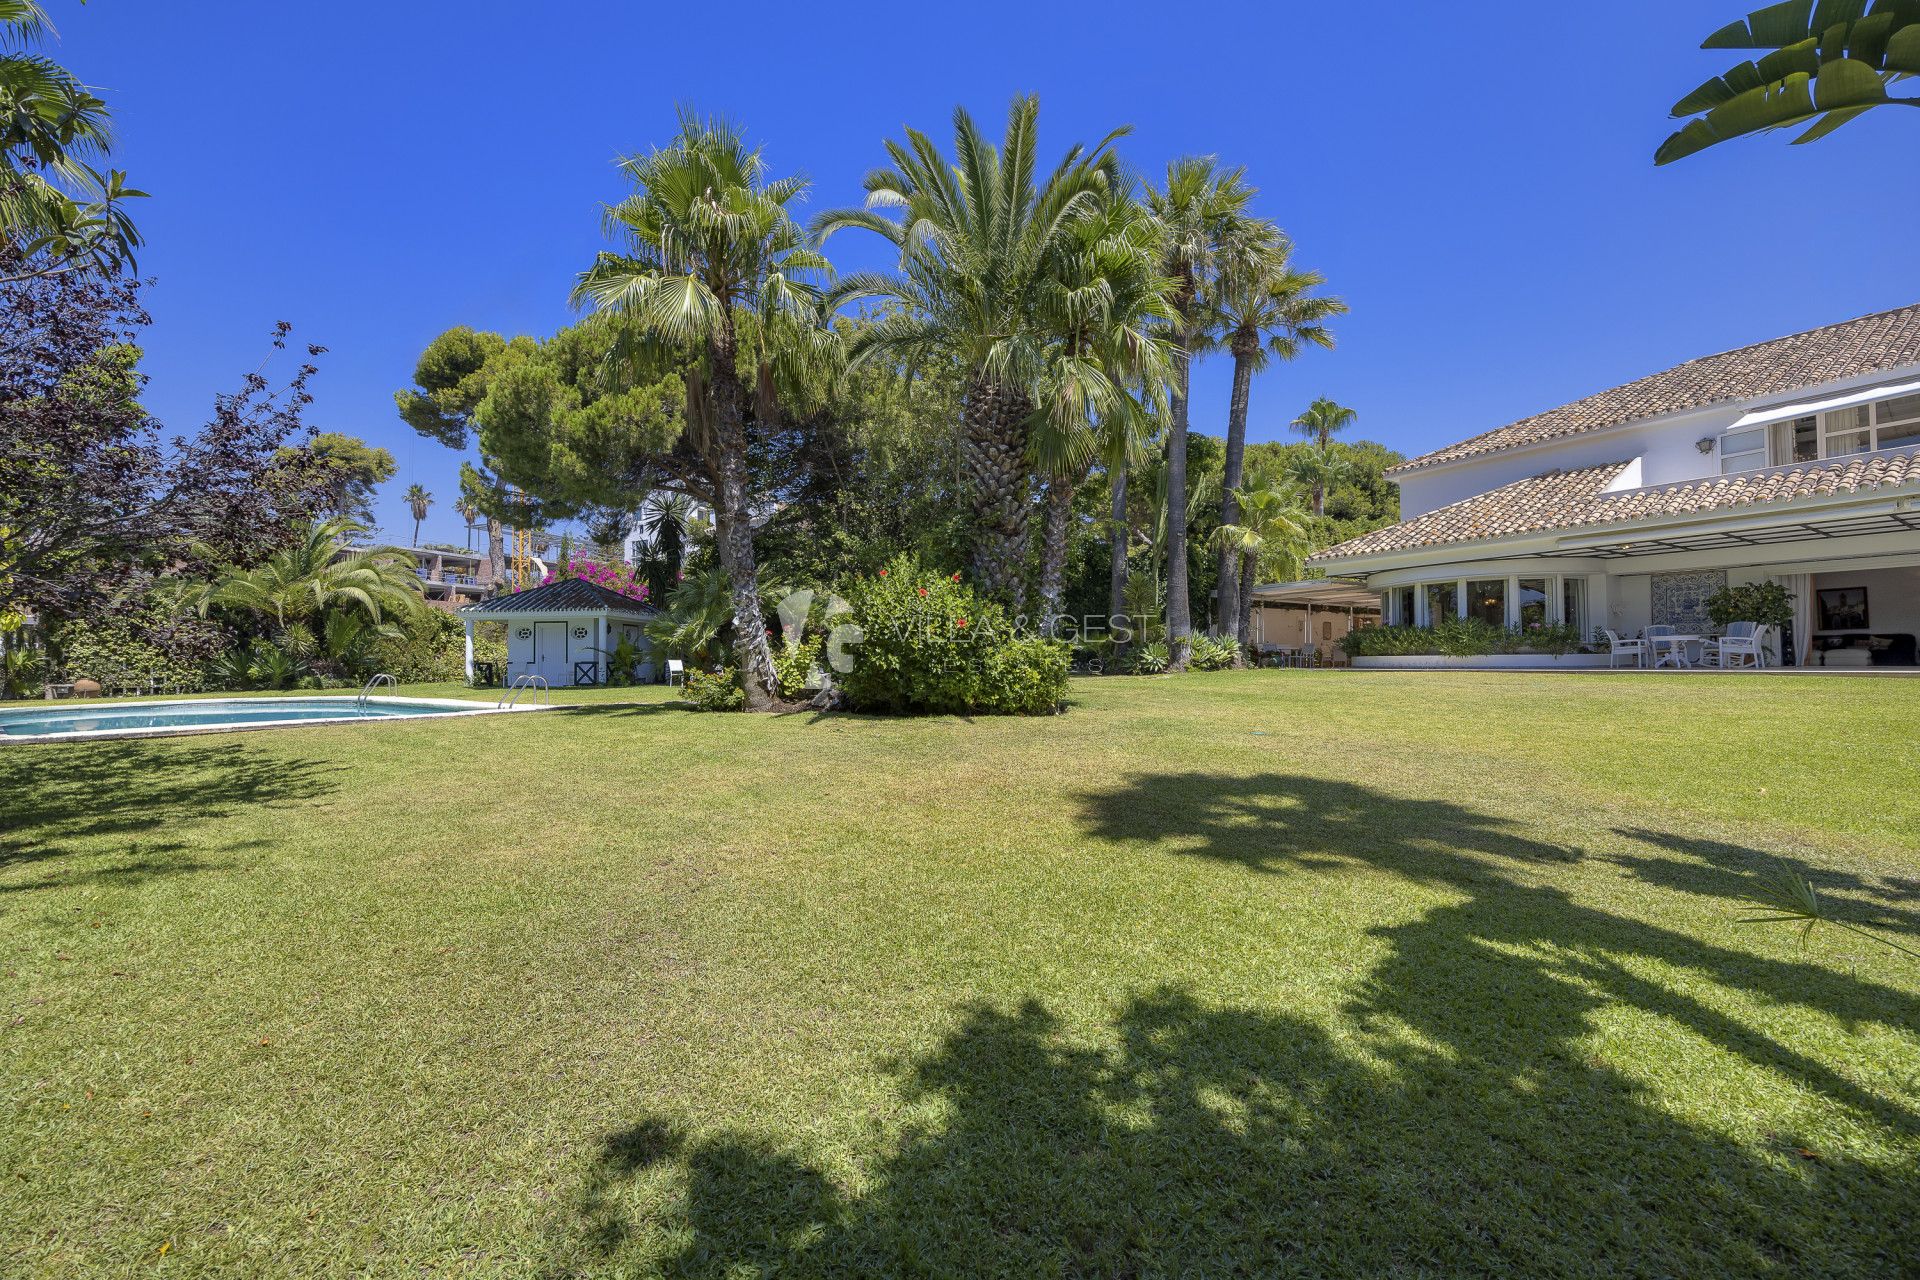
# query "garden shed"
(563, 631)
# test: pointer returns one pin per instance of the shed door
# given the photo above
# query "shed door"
(550, 653)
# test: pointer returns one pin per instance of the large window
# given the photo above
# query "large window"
(1487, 601)
(1533, 599)
(1573, 604)
(1743, 450)
(1402, 602)
(1838, 433)
(1443, 601)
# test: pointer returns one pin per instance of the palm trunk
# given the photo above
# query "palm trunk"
(1319, 497)
(416, 532)
(1226, 607)
(1179, 610)
(1244, 622)
(733, 527)
(994, 464)
(1053, 551)
(1117, 554)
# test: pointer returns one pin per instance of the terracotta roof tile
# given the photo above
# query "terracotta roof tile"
(1870, 344)
(1578, 499)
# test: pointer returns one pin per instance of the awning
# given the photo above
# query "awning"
(1317, 592)
(1800, 409)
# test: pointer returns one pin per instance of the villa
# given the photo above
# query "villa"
(1791, 461)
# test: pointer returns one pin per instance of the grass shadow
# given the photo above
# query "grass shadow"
(60, 804)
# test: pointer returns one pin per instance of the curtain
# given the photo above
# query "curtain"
(1800, 587)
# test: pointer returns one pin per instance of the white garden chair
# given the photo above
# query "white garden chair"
(676, 672)
(1743, 640)
(1617, 645)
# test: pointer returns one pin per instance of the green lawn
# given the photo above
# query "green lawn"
(1263, 973)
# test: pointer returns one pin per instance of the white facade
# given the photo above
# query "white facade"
(1628, 574)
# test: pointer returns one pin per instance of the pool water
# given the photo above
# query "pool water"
(210, 713)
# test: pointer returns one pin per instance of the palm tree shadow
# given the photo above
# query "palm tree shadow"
(118, 813)
(1192, 1139)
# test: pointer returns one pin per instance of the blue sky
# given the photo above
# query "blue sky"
(1475, 180)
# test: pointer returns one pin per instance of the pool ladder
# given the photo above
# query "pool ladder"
(521, 684)
(383, 678)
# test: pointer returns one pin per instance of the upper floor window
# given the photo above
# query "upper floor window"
(1838, 433)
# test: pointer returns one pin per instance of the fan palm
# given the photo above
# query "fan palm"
(709, 247)
(978, 239)
(1322, 420)
(1263, 309)
(698, 610)
(1828, 63)
(417, 500)
(319, 573)
(469, 511)
(1270, 538)
(1107, 301)
(1197, 210)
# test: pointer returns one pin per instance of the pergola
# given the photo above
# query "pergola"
(1332, 595)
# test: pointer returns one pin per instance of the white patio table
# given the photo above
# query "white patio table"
(1672, 646)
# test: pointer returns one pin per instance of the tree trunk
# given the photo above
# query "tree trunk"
(1179, 611)
(1053, 551)
(496, 551)
(1249, 579)
(1226, 608)
(1117, 555)
(733, 527)
(1319, 497)
(993, 461)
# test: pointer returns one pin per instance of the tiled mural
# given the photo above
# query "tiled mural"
(1680, 599)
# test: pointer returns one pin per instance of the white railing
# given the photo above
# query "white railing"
(522, 683)
(367, 690)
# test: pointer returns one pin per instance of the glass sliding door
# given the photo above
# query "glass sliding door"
(1487, 601)
(1573, 605)
(1443, 601)
(1402, 600)
(1533, 602)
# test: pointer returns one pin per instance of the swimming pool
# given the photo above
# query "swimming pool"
(204, 715)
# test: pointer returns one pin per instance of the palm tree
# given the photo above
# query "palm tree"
(1322, 419)
(418, 500)
(1827, 64)
(977, 238)
(1270, 538)
(1263, 308)
(708, 245)
(468, 511)
(51, 130)
(1197, 210)
(321, 572)
(1107, 301)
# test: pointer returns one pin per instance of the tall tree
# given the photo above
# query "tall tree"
(418, 501)
(1322, 419)
(1264, 308)
(451, 378)
(1269, 537)
(1105, 303)
(58, 213)
(1828, 63)
(355, 467)
(977, 237)
(705, 239)
(1198, 209)
(470, 512)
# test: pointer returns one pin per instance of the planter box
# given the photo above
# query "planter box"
(1485, 662)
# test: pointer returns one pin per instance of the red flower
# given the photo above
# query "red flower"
(923, 591)
(959, 622)
(883, 573)
(956, 575)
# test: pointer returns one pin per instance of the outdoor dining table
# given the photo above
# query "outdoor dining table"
(1678, 643)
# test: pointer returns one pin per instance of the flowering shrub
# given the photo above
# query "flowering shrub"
(794, 664)
(931, 645)
(619, 576)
